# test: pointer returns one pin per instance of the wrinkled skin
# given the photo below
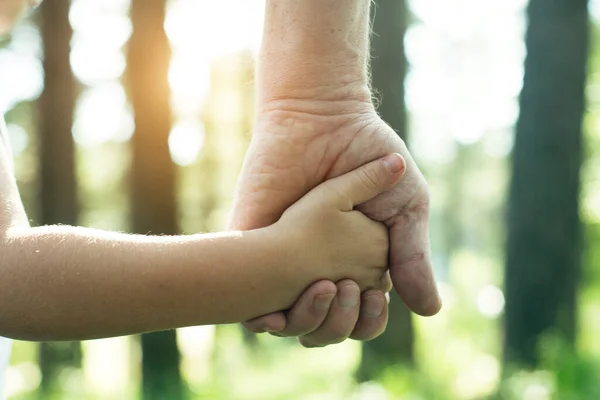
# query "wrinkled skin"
(295, 148)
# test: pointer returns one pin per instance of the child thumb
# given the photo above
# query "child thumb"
(368, 181)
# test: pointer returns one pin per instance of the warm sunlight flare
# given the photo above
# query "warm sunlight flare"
(465, 74)
(200, 32)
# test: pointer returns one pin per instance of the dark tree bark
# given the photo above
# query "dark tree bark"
(153, 190)
(388, 66)
(544, 232)
(58, 187)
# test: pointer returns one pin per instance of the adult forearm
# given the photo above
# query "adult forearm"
(315, 43)
(65, 283)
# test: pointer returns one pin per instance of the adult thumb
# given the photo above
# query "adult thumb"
(368, 181)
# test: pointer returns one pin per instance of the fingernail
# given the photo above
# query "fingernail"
(349, 296)
(394, 163)
(323, 301)
(373, 307)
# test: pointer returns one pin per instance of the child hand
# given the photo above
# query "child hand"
(326, 238)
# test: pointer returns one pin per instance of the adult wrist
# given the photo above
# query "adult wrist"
(284, 76)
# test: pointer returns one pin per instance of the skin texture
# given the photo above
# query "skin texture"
(316, 120)
(273, 178)
(72, 283)
(313, 79)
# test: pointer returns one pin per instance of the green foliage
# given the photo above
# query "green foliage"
(458, 352)
(564, 374)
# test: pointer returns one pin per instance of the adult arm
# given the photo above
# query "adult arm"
(315, 121)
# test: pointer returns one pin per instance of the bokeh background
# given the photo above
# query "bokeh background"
(135, 116)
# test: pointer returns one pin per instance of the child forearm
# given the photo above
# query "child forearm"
(66, 283)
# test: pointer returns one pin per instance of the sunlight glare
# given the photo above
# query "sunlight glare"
(200, 32)
(96, 17)
(467, 127)
(189, 79)
(490, 301)
(26, 40)
(102, 114)
(22, 378)
(22, 79)
(186, 141)
(105, 361)
(464, 77)
(479, 378)
(18, 138)
(196, 345)
(499, 143)
(96, 51)
(594, 7)
(94, 60)
(215, 28)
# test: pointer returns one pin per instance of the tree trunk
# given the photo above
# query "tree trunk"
(58, 187)
(388, 67)
(544, 232)
(153, 191)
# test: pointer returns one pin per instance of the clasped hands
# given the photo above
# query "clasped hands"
(299, 144)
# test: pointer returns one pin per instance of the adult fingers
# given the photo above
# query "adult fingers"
(341, 319)
(373, 317)
(311, 309)
(411, 268)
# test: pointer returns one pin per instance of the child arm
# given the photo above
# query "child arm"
(72, 283)
(68, 283)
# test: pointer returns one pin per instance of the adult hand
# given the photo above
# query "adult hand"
(297, 145)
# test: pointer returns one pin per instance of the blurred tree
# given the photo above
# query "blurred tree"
(544, 239)
(388, 66)
(153, 195)
(58, 187)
